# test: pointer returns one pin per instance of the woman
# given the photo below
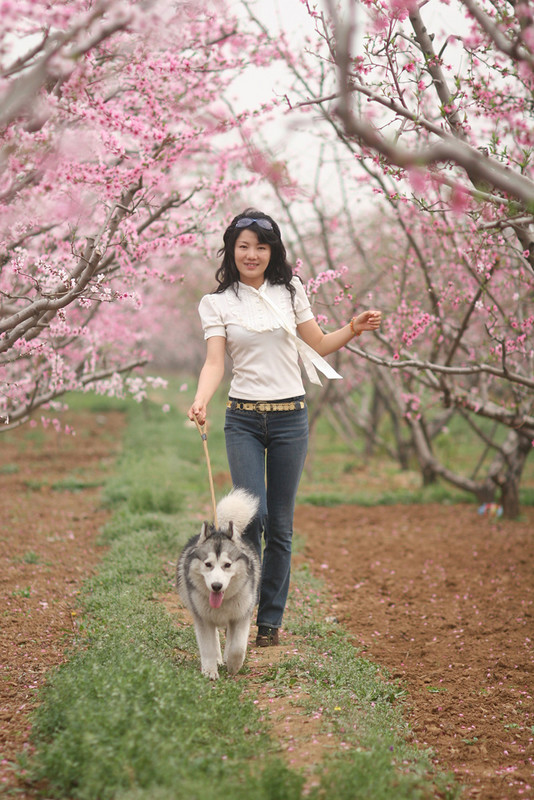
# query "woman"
(254, 316)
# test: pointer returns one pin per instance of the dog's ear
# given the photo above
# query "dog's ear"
(203, 532)
(232, 533)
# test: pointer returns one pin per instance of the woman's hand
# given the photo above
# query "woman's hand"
(197, 411)
(366, 321)
(326, 343)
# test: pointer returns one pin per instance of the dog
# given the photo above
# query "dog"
(217, 578)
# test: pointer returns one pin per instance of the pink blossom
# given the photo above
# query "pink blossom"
(459, 199)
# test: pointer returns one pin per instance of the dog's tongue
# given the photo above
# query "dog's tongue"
(216, 599)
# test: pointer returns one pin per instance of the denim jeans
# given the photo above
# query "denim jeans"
(266, 454)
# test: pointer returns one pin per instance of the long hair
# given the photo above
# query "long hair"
(279, 270)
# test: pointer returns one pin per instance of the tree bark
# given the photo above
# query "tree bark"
(507, 469)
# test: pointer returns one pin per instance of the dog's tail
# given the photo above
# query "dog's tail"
(238, 507)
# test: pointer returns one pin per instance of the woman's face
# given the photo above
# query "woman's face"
(251, 258)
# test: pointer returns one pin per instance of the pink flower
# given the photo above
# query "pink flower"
(459, 199)
(418, 179)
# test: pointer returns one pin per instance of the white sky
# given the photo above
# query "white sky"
(288, 136)
(259, 83)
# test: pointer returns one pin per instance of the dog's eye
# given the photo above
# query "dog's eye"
(208, 564)
(227, 565)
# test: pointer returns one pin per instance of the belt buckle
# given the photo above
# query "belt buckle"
(262, 406)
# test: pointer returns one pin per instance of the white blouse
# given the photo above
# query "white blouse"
(264, 351)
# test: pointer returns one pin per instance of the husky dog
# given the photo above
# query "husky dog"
(217, 578)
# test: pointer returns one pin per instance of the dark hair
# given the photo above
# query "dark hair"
(279, 270)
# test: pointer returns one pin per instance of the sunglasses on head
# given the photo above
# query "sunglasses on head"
(244, 222)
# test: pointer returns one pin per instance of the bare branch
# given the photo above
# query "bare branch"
(428, 366)
(516, 50)
(480, 168)
(21, 414)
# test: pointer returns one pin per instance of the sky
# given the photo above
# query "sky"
(289, 135)
(258, 83)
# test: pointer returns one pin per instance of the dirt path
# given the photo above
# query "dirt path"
(438, 595)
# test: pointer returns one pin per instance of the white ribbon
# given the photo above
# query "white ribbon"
(310, 358)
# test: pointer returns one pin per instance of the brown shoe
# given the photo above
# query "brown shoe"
(267, 637)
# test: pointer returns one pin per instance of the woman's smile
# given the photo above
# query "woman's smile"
(251, 258)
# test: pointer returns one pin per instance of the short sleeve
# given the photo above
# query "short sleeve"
(211, 317)
(303, 310)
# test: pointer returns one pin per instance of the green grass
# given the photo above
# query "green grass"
(9, 469)
(126, 716)
(336, 473)
(96, 404)
(74, 483)
(129, 716)
(429, 494)
(31, 557)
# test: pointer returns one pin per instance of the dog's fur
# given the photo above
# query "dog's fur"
(217, 577)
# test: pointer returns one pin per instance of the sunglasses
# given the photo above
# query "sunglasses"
(244, 222)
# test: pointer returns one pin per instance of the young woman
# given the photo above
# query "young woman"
(254, 315)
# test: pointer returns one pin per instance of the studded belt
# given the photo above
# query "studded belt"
(242, 405)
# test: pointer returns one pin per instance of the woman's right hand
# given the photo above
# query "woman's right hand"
(197, 411)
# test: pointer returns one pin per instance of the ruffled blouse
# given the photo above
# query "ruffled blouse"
(259, 326)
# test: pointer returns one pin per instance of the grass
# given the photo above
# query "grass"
(73, 483)
(129, 716)
(126, 718)
(9, 469)
(433, 494)
(337, 474)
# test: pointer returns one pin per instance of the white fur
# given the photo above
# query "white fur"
(200, 571)
(238, 507)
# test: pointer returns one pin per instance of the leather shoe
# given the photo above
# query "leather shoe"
(267, 637)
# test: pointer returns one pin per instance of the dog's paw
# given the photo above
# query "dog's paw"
(211, 672)
(210, 669)
(234, 662)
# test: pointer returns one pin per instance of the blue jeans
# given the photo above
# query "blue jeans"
(266, 454)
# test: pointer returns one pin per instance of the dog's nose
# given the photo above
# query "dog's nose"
(216, 587)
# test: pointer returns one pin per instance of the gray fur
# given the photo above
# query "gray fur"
(219, 562)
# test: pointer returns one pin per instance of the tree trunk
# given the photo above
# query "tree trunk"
(507, 469)
(404, 448)
(375, 415)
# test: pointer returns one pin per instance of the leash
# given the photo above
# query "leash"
(204, 437)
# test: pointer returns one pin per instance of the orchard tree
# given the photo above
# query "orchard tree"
(114, 154)
(436, 125)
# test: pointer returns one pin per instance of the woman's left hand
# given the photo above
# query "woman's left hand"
(367, 321)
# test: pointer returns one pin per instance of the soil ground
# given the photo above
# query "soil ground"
(50, 518)
(438, 595)
(443, 599)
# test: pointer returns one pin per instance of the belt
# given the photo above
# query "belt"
(293, 405)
